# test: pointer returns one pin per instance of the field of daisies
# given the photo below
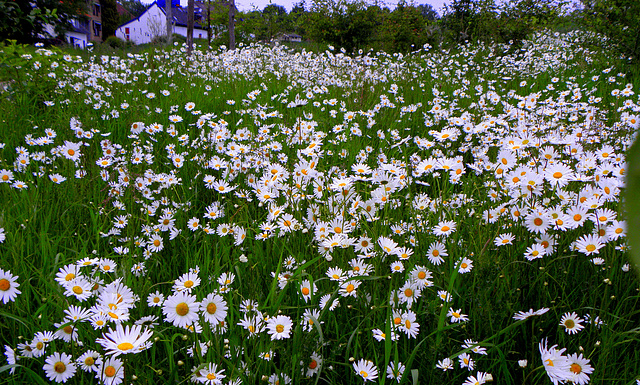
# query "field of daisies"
(278, 216)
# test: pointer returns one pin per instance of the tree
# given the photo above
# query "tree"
(274, 18)
(342, 23)
(24, 21)
(135, 7)
(619, 20)
(428, 12)
(110, 18)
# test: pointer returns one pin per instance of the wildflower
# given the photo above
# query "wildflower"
(111, 371)
(572, 323)
(155, 299)
(465, 265)
(214, 308)
(579, 369)
(504, 239)
(395, 370)
(89, 361)
(186, 282)
(8, 286)
(125, 340)
(59, 367)
(444, 228)
(279, 327)
(314, 365)
(366, 369)
(554, 362)
(210, 374)
(445, 364)
(589, 244)
(466, 361)
(181, 309)
(457, 316)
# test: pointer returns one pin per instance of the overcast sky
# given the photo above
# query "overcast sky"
(248, 5)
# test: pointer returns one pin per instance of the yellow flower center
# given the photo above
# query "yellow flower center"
(576, 368)
(569, 324)
(89, 361)
(591, 248)
(305, 291)
(422, 274)
(211, 376)
(4, 284)
(110, 371)
(182, 309)
(279, 328)
(188, 284)
(77, 290)
(211, 308)
(60, 367)
(125, 346)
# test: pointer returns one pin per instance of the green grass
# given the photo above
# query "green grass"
(50, 226)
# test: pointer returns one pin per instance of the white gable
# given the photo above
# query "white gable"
(151, 24)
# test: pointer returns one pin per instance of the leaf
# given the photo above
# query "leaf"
(632, 203)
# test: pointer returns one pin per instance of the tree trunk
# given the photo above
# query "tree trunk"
(169, 12)
(190, 22)
(232, 24)
(209, 29)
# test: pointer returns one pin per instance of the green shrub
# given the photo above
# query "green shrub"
(115, 42)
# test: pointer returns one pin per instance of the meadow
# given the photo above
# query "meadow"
(274, 216)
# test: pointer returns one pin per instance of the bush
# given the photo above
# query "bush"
(115, 42)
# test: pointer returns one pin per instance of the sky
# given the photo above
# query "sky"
(248, 5)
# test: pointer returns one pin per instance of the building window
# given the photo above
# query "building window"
(96, 9)
(97, 28)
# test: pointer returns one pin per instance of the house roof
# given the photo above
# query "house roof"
(179, 15)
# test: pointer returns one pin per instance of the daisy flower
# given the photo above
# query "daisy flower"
(186, 282)
(8, 286)
(395, 370)
(111, 371)
(457, 316)
(579, 368)
(279, 327)
(445, 364)
(213, 308)
(435, 253)
(554, 362)
(444, 228)
(210, 374)
(366, 369)
(59, 367)
(571, 322)
(181, 309)
(89, 361)
(535, 251)
(155, 299)
(504, 239)
(125, 340)
(589, 244)
(465, 265)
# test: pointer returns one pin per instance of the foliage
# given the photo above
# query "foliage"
(115, 42)
(619, 20)
(23, 22)
(342, 23)
(110, 18)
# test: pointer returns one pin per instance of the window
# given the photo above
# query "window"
(97, 28)
(96, 9)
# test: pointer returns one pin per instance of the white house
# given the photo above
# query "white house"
(152, 23)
